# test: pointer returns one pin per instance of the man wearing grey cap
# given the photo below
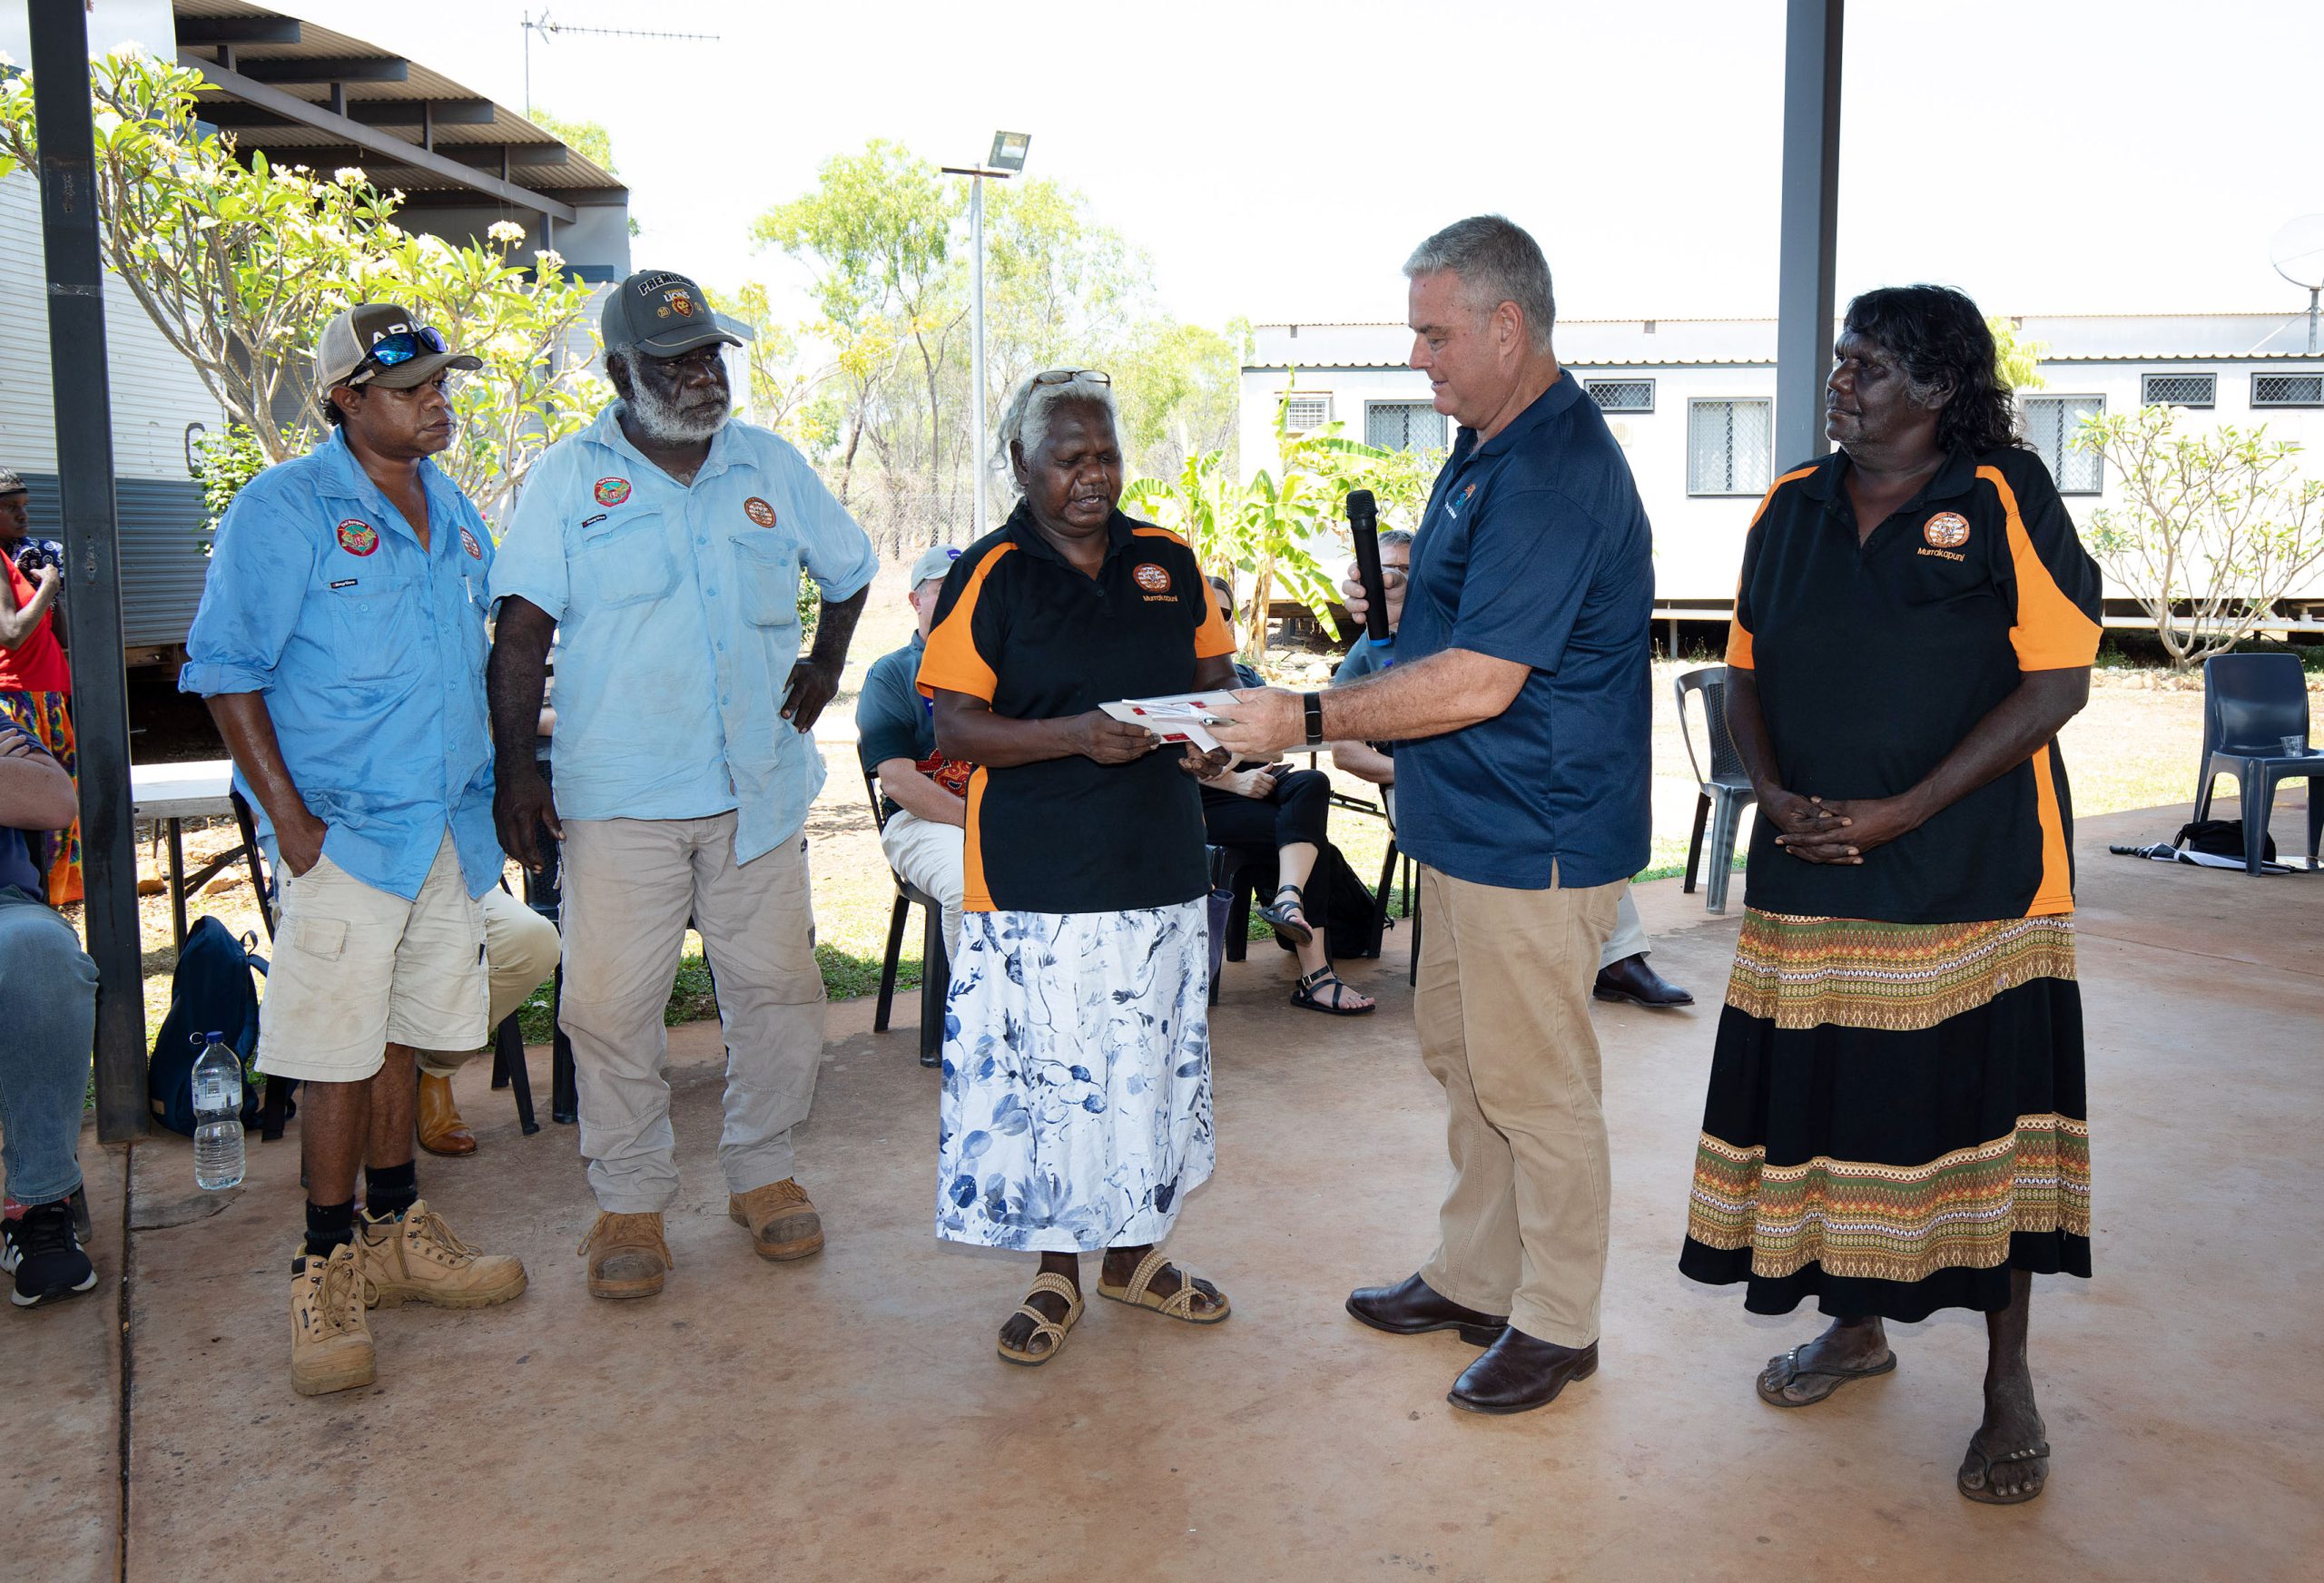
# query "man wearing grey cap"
(924, 793)
(663, 549)
(341, 644)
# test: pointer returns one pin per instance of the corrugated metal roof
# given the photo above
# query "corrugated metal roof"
(507, 128)
(1684, 342)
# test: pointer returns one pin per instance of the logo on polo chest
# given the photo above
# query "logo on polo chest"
(467, 543)
(1947, 530)
(1154, 579)
(612, 491)
(358, 538)
(759, 511)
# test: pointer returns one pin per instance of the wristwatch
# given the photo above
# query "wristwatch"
(1314, 704)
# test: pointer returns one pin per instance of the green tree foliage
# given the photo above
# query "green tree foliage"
(1282, 526)
(2213, 530)
(222, 464)
(239, 266)
(2017, 358)
(777, 388)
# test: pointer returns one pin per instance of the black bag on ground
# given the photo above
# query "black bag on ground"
(2222, 838)
(210, 992)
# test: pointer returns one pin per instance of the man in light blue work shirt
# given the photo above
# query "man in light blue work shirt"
(663, 549)
(341, 644)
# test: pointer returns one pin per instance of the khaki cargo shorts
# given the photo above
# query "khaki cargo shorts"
(357, 969)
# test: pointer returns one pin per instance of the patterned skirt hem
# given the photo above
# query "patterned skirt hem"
(1898, 978)
(1985, 1291)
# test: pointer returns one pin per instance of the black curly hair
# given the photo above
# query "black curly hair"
(1941, 338)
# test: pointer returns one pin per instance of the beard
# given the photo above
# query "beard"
(666, 423)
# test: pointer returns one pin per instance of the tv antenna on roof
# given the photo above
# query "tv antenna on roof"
(548, 26)
(2298, 253)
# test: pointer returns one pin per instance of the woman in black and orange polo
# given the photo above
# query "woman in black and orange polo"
(1075, 1113)
(1895, 1121)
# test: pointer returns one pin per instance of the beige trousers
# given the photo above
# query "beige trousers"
(519, 954)
(630, 885)
(1504, 1015)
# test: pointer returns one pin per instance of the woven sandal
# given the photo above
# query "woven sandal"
(1178, 1305)
(1043, 1326)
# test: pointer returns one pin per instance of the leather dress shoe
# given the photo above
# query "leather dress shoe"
(441, 1130)
(1518, 1374)
(1632, 980)
(1413, 1307)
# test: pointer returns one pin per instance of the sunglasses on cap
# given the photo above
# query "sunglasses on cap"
(1067, 376)
(394, 351)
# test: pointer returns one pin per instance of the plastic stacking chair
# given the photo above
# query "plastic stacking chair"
(1721, 795)
(935, 967)
(2250, 704)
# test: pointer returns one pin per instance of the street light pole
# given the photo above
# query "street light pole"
(1007, 158)
(976, 389)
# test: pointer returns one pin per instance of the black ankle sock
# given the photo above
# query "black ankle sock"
(390, 1190)
(328, 1225)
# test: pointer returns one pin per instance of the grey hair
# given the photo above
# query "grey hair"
(1395, 538)
(1498, 263)
(1025, 420)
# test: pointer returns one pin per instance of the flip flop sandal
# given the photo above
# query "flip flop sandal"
(1792, 1373)
(1304, 994)
(1043, 1326)
(1178, 1305)
(1986, 1496)
(1288, 926)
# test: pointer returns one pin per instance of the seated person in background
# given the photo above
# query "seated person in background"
(520, 950)
(1274, 805)
(1622, 970)
(924, 792)
(52, 1024)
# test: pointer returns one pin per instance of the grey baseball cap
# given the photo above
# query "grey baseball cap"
(347, 341)
(934, 563)
(13, 483)
(661, 314)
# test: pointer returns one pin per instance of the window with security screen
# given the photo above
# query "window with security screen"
(2179, 390)
(1728, 446)
(1404, 426)
(1305, 412)
(2050, 422)
(2288, 390)
(1621, 394)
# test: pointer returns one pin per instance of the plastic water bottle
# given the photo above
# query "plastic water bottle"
(218, 1116)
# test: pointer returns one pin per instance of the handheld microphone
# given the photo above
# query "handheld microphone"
(1364, 528)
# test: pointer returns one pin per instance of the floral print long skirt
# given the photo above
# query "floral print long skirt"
(1075, 1111)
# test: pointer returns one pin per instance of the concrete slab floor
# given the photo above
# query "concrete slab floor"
(845, 1418)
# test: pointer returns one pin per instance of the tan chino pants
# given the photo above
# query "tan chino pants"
(1504, 1017)
(630, 885)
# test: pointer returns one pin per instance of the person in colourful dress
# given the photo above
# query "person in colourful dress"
(1075, 1109)
(1895, 1121)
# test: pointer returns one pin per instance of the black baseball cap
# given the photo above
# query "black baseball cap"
(662, 314)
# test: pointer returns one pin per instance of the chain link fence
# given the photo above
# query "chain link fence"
(904, 522)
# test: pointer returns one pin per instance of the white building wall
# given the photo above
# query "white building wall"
(1698, 538)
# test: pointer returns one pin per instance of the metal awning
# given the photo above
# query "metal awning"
(304, 95)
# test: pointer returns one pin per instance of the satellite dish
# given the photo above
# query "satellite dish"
(2298, 252)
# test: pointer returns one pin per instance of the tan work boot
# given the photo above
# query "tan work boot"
(441, 1130)
(626, 1255)
(782, 1217)
(330, 1345)
(417, 1259)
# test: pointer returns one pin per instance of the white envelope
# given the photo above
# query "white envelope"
(1178, 718)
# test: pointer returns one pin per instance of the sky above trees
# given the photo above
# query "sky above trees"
(1278, 159)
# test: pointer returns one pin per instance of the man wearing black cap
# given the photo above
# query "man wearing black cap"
(341, 643)
(664, 546)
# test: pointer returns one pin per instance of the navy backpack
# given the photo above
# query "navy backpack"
(210, 992)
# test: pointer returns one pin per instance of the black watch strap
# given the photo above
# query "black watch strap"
(1314, 702)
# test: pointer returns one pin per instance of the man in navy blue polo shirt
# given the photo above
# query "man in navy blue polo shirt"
(1520, 702)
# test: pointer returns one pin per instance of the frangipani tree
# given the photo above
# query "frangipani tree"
(239, 266)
